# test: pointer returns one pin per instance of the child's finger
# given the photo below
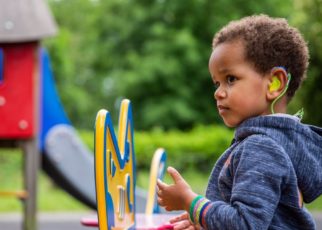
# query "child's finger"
(160, 184)
(175, 219)
(184, 224)
(174, 174)
(183, 216)
(160, 201)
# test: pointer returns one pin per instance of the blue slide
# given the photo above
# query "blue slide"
(65, 158)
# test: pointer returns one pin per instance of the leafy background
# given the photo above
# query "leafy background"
(155, 52)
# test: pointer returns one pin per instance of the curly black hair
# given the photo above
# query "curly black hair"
(269, 42)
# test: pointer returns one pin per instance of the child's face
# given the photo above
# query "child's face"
(241, 90)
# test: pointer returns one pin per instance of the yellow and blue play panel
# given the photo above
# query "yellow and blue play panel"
(156, 172)
(115, 170)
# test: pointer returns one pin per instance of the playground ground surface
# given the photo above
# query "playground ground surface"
(71, 221)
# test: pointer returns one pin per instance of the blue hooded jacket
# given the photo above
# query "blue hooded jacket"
(261, 181)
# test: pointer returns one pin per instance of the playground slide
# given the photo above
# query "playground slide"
(65, 158)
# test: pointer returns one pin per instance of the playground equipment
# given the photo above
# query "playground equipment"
(31, 114)
(156, 172)
(22, 27)
(115, 170)
(115, 176)
(65, 158)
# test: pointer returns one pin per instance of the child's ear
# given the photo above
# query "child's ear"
(277, 83)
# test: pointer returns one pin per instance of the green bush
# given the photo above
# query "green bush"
(196, 149)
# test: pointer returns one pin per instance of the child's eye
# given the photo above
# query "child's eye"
(231, 79)
(216, 85)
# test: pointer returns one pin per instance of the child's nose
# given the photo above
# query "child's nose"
(220, 93)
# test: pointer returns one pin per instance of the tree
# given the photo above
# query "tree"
(308, 19)
(153, 52)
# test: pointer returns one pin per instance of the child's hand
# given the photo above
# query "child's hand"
(183, 222)
(177, 196)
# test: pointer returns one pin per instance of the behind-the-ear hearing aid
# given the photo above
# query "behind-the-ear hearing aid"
(275, 86)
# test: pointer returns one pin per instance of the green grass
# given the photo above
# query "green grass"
(50, 197)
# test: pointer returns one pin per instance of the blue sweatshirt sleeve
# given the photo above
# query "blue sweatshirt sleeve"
(258, 168)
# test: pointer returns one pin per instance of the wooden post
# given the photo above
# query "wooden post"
(31, 165)
(31, 168)
(32, 155)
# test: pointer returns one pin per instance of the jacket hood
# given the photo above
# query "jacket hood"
(303, 144)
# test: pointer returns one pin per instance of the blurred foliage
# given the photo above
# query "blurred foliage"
(307, 17)
(156, 54)
(185, 150)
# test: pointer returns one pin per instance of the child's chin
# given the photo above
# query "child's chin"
(230, 124)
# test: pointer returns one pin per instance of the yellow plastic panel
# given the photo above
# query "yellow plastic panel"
(115, 170)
